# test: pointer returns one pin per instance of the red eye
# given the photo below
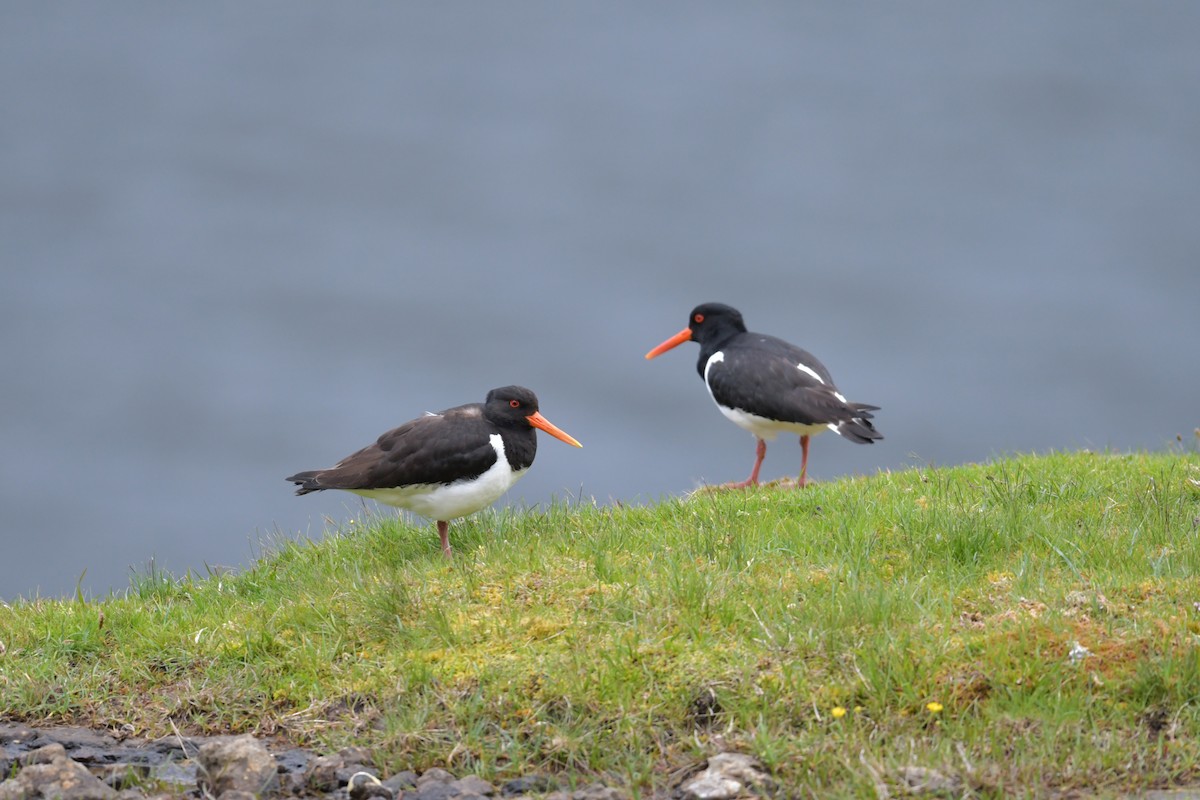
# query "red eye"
(515, 403)
(699, 318)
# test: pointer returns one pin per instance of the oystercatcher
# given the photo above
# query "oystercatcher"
(445, 465)
(766, 385)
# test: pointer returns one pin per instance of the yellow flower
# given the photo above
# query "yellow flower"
(933, 707)
(838, 712)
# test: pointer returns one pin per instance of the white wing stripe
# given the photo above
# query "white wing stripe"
(810, 371)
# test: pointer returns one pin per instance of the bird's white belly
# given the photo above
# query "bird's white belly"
(768, 429)
(440, 501)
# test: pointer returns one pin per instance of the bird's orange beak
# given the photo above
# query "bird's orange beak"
(684, 335)
(538, 421)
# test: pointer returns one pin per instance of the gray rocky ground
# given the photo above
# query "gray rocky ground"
(83, 764)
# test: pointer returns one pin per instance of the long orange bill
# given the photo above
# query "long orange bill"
(538, 421)
(684, 335)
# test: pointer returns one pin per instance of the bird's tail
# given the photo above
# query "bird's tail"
(307, 481)
(859, 428)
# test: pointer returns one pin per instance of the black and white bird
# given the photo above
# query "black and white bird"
(446, 465)
(766, 385)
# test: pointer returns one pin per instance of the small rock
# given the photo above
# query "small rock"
(61, 779)
(45, 755)
(401, 780)
(434, 775)
(431, 790)
(292, 783)
(294, 760)
(526, 784)
(329, 773)
(293, 770)
(711, 787)
(473, 784)
(238, 764)
(322, 775)
(725, 777)
(176, 776)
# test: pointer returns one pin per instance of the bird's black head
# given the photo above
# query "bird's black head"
(710, 324)
(515, 407)
(510, 405)
(714, 322)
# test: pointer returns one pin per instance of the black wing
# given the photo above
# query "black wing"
(761, 375)
(444, 448)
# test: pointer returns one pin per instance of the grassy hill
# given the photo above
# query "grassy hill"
(1030, 625)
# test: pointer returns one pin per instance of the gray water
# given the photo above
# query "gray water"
(243, 239)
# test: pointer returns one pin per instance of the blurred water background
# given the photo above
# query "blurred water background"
(243, 239)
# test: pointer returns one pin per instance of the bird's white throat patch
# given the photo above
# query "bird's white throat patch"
(715, 358)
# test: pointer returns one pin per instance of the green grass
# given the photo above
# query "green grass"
(633, 642)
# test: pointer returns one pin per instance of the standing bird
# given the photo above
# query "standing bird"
(765, 385)
(445, 465)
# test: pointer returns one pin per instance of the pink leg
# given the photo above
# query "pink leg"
(803, 462)
(444, 532)
(760, 454)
